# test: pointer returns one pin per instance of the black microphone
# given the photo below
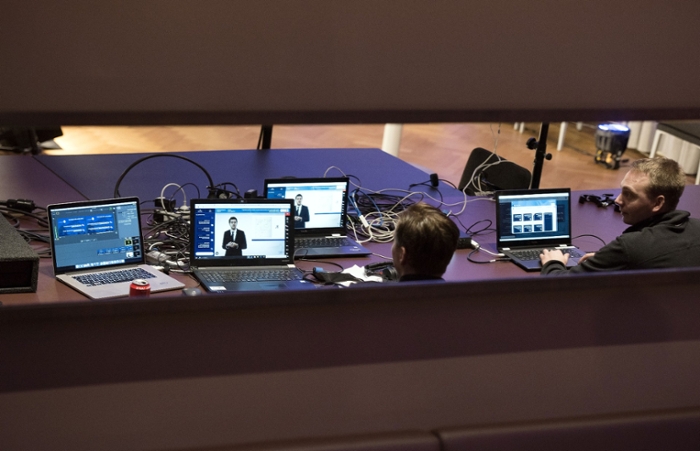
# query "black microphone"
(434, 182)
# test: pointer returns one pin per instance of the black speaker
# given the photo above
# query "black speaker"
(19, 264)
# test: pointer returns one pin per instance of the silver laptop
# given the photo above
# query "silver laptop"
(528, 221)
(97, 248)
(244, 245)
(320, 215)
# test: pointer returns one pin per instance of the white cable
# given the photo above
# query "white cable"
(378, 226)
(162, 193)
(495, 141)
(495, 254)
(325, 174)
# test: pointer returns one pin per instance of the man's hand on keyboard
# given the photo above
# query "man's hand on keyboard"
(553, 254)
(585, 257)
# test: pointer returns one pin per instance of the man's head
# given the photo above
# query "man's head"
(652, 186)
(424, 241)
(232, 222)
(298, 199)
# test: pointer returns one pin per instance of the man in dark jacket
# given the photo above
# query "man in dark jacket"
(659, 236)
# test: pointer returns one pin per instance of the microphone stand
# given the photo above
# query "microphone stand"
(265, 136)
(540, 155)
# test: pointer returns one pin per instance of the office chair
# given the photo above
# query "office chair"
(485, 171)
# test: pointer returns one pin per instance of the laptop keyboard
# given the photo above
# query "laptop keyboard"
(534, 254)
(105, 278)
(339, 241)
(250, 275)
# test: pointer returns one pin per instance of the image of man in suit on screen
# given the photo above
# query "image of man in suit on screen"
(234, 239)
(301, 213)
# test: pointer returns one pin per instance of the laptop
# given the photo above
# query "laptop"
(97, 248)
(244, 245)
(320, 213)
(528, 221)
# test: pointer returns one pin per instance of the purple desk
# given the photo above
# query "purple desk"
(23, 177)
(49, 179)
(95, 176)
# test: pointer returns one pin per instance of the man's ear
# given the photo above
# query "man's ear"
(659, 203)
(402, 255)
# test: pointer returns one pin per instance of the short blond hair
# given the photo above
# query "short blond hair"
(666, 178)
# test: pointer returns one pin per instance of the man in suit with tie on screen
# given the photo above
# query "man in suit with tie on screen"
(234, 239)
(301, 213)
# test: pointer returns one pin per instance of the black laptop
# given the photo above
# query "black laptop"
(528, 221)
(320, 215)
(243, 245)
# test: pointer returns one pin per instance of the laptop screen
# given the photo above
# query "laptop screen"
(533, 217)
(94, 234)
(320, 204)
(240, 232)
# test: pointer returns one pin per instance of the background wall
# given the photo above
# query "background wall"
(235, 61)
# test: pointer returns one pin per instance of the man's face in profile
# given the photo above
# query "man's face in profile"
(635, 204)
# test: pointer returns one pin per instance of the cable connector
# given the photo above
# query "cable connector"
(22, 204)
(364, 221)
(466, 242)
(159, 258)
(165, 204)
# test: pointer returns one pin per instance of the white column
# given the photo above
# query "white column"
(392, 139)
(646, 136)
(562, 135)
(635, 128)
(670, 147)
(689, 157)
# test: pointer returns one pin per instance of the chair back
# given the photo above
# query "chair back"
(486, 171)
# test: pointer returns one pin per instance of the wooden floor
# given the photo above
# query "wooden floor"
(439, 148)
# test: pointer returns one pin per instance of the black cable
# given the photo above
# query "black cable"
(449, 183)
(379, 202)
(493, 260)
(321, 261)
(429, 183)
(350, 176)
(221, 188)
(171, 238)
(41, 220)
(592, 236)
(172, 155)
(442, 199)
(486, 229)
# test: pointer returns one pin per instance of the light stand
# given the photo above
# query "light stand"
(265, 140)
(540, 147)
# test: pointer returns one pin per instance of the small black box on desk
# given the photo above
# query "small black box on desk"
(19, 264)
